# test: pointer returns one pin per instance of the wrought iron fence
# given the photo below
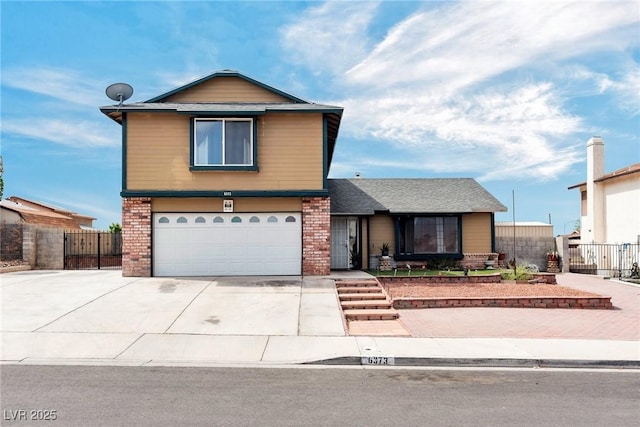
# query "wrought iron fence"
(89, 250)
(613, 260)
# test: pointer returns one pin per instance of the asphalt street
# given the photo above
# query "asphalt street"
(170, 396)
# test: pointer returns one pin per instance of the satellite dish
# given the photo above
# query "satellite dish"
(119, 92)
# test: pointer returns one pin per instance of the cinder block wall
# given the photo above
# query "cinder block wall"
(529, 250)
(29, 252)
(49, 248)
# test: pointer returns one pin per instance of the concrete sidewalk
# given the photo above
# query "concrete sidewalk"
(100, 317)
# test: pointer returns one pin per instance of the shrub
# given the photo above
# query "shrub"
(521, 273)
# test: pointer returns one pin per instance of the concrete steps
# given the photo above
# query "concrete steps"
(359, 290)
(373, 314)
(365, 304)
(362, 296)
(364, 300)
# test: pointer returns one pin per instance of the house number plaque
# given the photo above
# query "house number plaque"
(377, 360)
(228, 205)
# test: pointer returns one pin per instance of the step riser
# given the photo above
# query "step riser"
(366, 304)
(369, 307)
(362, 297)
(358, 290)
(355, 284)
(372, 317)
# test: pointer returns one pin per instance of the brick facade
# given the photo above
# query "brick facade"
(316, 236)
(136, 236)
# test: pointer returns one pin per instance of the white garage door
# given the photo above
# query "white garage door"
(217, 244)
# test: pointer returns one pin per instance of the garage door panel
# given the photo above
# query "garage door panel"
(260, 244)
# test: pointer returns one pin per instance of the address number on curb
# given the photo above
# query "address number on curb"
(378, 360)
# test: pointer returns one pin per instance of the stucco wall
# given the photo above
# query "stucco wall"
(622, 207)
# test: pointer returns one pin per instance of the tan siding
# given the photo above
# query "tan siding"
(476, 233)
(226, 89)
(214, 204)
(289, 155)
(382, 231)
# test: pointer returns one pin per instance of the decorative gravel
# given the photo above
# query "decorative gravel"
(484, 290)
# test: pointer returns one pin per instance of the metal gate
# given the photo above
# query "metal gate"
(612, 260)
(90, 250)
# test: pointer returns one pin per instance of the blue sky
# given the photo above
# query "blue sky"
(507, 93)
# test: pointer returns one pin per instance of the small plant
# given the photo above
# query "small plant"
(552, 255)
(355, 259)
(521, 273)
(384, 249)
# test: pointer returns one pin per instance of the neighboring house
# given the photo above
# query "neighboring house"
(420, 219)
(610, 202)
(17, 210)
(228, 176)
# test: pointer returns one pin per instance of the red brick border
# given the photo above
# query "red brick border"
(543, 278)
(599, 302)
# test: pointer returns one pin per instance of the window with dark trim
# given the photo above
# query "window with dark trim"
(223, 143)
(427, 235)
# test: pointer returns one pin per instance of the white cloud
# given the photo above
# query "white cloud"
(62, 84)
(72, 133)
(467, 86)
(469, 42)
(330, 37)
(627, 90)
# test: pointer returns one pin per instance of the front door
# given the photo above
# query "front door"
(344, 242)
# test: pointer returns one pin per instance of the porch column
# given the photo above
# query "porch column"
(136, 236)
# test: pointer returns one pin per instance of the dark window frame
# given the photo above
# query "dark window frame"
(400, 220)
(210, 167)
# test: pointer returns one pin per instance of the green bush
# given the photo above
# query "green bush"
(521, 273)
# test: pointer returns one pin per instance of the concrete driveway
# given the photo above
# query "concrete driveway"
(89, 314)
(102, 318)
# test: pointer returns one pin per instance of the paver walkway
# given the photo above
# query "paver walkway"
(621, 323)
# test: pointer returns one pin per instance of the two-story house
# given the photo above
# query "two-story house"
(609, 202)
(229, 176)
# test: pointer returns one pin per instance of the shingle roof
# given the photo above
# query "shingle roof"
(414, 195)
(348, 198)
(239, 108)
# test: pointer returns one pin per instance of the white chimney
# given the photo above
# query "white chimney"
(595, 229)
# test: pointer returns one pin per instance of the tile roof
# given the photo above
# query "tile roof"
(32, 215)
(635, 168)
(412, 195)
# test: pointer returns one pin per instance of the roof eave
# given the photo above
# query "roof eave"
(576, 186)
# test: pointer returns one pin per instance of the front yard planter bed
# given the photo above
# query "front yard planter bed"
(409, 296)
(539, 278)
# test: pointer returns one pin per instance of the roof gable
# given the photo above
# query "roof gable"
(212, 88)
(419, 195)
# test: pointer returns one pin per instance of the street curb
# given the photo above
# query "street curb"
(488, 362)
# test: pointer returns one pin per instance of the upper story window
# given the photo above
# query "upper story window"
(223, 143)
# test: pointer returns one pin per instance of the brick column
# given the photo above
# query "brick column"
(136, 236)
(316, 236)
